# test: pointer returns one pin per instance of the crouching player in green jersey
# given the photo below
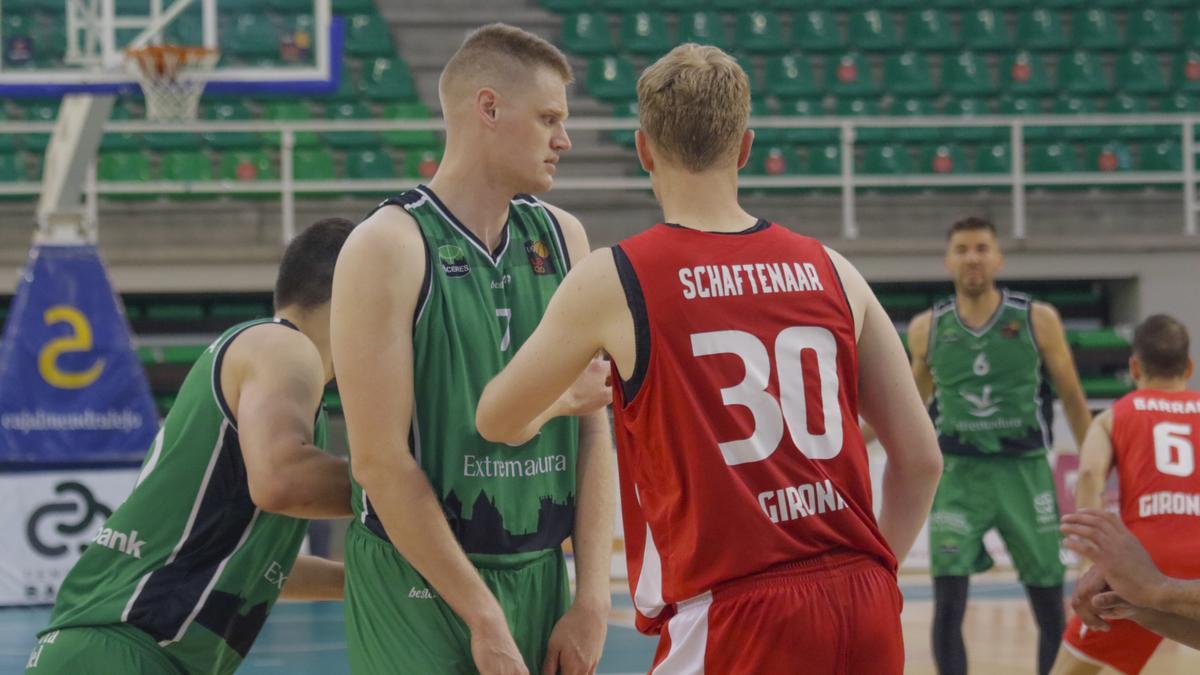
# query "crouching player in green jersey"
(454, 560)
(181, 577)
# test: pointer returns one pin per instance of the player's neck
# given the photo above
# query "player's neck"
(1171, 384)
(315, 326)
(705, 202)
(976, 310)
(478, 202)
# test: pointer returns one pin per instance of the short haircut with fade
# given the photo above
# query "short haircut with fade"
(970, 224)
(306, 273)
(694, 105)
(1160, 344)
(497, 51)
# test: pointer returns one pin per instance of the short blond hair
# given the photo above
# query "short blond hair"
(500, 52)
(694, 104)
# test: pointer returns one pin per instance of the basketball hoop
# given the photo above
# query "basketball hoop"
(172, 78)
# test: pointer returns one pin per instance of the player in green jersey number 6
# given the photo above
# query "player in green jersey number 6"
(454, 559)
(980, 354)
(182, 576)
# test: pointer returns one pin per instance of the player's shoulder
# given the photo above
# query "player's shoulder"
(274, 347)
(390, 234)
(921, 321)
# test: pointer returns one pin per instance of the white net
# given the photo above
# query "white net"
(172, 79)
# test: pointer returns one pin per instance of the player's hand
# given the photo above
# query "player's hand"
(1090, 584)
(576, 642)
(1112, 606)
(1103, 538)
(591, 392)
(494, 651)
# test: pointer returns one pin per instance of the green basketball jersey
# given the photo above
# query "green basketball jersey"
(476, 309)
(188, 558)
(988, 383)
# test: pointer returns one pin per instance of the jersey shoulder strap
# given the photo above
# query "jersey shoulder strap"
(1018, 300)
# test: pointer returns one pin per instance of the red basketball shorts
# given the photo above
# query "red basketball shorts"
(1125, 647)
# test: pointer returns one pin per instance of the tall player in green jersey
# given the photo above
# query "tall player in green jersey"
(181, 577)
(981, 355)
(454, 561)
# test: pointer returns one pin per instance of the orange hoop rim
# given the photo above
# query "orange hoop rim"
(168, 60)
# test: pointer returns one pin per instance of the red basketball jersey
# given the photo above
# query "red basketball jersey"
(739, 447)
(1155, 434)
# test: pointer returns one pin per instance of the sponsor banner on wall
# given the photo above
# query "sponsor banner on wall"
(49, 517)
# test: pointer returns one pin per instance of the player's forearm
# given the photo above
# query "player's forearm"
(314, 578)
(416, 524)
(594, 513)
(908, 490)
(1078, 415)
(310, 484)
(1182, 629)
(1089, 490)
(1177, 596)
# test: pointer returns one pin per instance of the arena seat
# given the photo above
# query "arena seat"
(703, 27)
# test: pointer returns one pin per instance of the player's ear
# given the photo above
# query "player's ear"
(643, 151)
(744, 148)
(1135, 368)
(1188, 374)
(487, 106)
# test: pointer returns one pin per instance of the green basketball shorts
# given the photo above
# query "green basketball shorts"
(99, 650)
(396, 624)
(1015, 495)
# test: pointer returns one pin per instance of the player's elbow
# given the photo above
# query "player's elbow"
(491, 423)
(382, 470)
(273, 493)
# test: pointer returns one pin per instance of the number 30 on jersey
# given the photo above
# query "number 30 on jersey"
(791, 409)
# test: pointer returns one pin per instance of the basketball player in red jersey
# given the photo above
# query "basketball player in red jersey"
(742, 355)
(1150, 435)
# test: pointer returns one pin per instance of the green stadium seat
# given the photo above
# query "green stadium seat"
(368, 35)
(230, 140)
(759, 33)
(1023, 105)
(625, 111)
(1108, 157)
(824, 160)
(1125, 104)
(1067, 104)
(314, 164)
(622, 5)
(1138, 73)
(985, 30)
(369, 165)
(350, 139)
(873, 30)
(1185, 71)
(408, 139)
(733, 5)
(282, 111)
(680, 5)
(1082, 73)
(1182, 103)
(791, 76)
(251, 36)
(966, 74)
(972, 107)
(39, 112)
(1161, 156)
(587, 34)
(348, 88)
(850, 75)
(1152, 29)
(909, 74)
(806, 107)
(946, 158)
(1105, 387)
(1024, 73)
(421, 164)
(887, 159)
(1040, 29)
(1051, 158)
(186, 165)
(645, 33)
(246, 167)
(929, 30)
(290, 6)
(186, 29)
(768, 135)
(1096, 29)
(911, 107)
(112, 141)
(994, 158)
(848, 4)
(559, 5)
(704, 28)
(816, 30)
(12, 170)
(1170, 3)
(865, 107)
(1065, 4)
(611, 78)
(1118, 4)
(1191, 27)
(388, 79)
(130, 167)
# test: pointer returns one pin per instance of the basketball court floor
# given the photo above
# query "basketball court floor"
(307, 638)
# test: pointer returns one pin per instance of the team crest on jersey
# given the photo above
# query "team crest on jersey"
(454, 260)
(539, 257)
(1011, 329)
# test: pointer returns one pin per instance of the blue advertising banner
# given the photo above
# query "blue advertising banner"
(71, 388)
